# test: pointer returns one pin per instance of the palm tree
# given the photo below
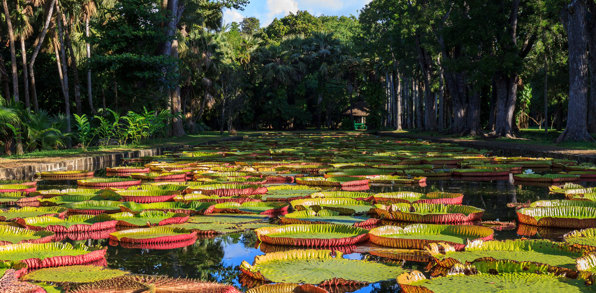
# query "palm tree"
(23, 29)
(13, 58)
(89, 9)
(49, 7)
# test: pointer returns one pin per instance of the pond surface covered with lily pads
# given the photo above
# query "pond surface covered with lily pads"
(226, 181)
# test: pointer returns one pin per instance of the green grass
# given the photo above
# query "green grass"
(525, 136)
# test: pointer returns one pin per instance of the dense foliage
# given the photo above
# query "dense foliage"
(466, 67)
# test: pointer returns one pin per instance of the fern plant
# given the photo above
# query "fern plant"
(84, 132)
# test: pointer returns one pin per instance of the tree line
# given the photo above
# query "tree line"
(459, 66)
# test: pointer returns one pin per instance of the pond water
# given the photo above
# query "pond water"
(218, 258)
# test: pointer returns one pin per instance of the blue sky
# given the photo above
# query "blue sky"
(267, 10)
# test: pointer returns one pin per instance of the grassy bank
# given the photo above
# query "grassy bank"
(526, 136)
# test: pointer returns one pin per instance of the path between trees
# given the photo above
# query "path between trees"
(508, 148)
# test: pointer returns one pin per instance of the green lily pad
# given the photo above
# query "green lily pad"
(26, 212)
(539, 251)
(345, 206)
(317, 266)
(17, 252)
(73, 274)
(16, 235)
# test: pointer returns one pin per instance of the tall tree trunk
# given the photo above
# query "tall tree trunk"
(398, 102)
(545, 94)
(419, 107)
(171, 49)
(473, 113)
(441, 124)
(13, 58)
(39, 42)
(64, 77)
(506, 87)
(178, 126)
(25, 73)
(424, 61)
(89, 81)
(75, 72)
(577, 126)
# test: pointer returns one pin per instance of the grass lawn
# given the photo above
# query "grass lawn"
(525, 136)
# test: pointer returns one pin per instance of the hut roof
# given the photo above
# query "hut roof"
(357, 112)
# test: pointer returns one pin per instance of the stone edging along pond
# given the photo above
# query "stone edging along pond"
(93, 162)
(509, 149)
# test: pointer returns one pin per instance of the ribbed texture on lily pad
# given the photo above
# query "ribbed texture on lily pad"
(15, 235)
(417, 236)
(317, 267)
(144, 283)
(429, 213)
(47, 255)
(582, 239)
(317, 235)
(72, 224)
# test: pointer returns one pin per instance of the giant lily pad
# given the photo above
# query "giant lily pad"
(160, 176)
(429, 213)
(317, 267)
(17, 188)
(224, 223)
(66, 175)
(145, 283)
(486, 282)
(417, 236)
(108, 182)
(567, 216)
(148, 218)
(147, 196)
(396, 179)
(14, 235)
(93, 207)
(582, 239)
(587, 263)
(317, 235)
(288, 192)
(332, 182)
(46, 255)
(343, 194)
(190, 208)
(538, 251)
(287, 288)
(24, 212)
(326, 217)
(345, 206)
(154, 238)
(416, 197)
(73, 274)
(75, 223)
(18, 198)
(229, 189)
(249, 207)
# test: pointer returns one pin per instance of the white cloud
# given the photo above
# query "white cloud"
(283, 7)
(231, 15)
(323, 4)
(279, 8)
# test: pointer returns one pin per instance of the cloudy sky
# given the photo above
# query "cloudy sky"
(267, 10)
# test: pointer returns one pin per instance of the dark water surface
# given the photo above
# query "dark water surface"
(218, 258)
